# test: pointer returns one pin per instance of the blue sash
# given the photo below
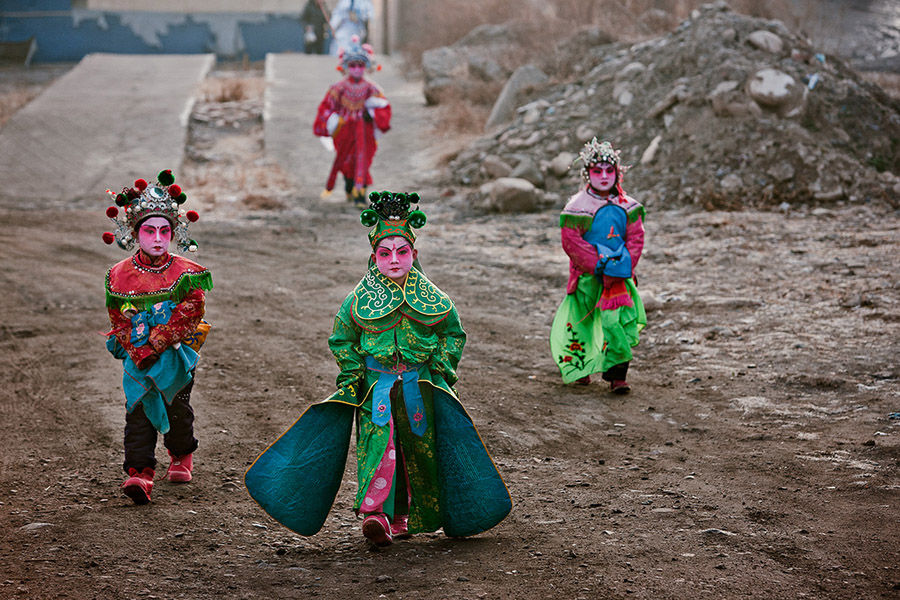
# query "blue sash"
(408, 375)
(607, 235)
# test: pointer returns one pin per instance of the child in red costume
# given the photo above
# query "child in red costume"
(156, 304)
(353, 114)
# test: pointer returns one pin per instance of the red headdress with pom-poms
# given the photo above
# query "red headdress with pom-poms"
(357, 52)
(142, 201)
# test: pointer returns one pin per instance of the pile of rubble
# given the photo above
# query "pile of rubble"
(725, 111)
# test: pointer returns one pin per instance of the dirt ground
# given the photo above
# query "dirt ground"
(756, 457)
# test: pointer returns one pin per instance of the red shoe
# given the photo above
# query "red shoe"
(139, 485)
(619, 386)
(586, 380)
(180, 468)
(400, 527)
(377, 529)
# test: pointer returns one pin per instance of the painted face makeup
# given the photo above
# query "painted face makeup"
(154, 236)
(394, 258)
(356, 70)
(602, 176)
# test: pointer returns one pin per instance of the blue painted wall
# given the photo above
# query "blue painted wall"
(64, 35)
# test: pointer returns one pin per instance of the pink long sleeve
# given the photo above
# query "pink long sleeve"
(634, 241)
(582, 254)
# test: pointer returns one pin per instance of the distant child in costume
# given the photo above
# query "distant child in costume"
(421, 464)
(354, 113)
(602, 315)
(156, 303)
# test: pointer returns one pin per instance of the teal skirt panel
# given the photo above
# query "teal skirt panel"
(296, 479)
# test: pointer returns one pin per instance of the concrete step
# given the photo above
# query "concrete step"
(111, 119)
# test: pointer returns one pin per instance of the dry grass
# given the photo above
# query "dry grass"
(12, 101)
(232, 89)
(462, 113)
(889, 82)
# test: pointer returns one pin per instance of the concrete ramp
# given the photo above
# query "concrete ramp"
(296, 84)
(109, 120)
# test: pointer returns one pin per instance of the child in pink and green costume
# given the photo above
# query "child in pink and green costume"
(421, 464)
(602, 315)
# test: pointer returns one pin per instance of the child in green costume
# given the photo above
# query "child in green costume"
(600, 319)
(421, 464)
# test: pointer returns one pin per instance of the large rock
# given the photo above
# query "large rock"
(560, 165)
(442, 67)
(766, 40)
(510, 195)
(505, 107)
(528, 170)
(494, 167)
(777, 91)
(486, 68)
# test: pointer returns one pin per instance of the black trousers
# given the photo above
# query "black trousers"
(140, 434)
(616, 372)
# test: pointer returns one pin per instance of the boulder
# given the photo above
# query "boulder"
(505, 107)
(494, 167)
(442, 68)
(766, 40)
(560, 165)
(528, 170)
(585, 132)
(510, 195)
(776, 90)
(486, 68)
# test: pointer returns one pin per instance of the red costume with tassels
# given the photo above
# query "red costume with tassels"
(155, 302)
(140, 281)
(360, 108)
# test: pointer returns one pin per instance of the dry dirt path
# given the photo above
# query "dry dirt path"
(755, 458)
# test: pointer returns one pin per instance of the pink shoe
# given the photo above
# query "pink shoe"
(139, 485)
(377, 529)
(180, 468)
(619, 386)
(400, 527)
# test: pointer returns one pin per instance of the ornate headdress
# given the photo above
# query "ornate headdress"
(164, 199)
(357, 52)
(389, 213)
(596, 152)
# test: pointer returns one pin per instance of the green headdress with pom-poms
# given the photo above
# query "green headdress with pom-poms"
(389, 214)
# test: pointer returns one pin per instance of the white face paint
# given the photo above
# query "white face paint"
(154, 236)
(602, 176)
(394, 258)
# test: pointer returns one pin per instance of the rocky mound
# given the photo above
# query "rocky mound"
(725, 111)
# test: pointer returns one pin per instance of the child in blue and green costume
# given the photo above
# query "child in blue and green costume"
(421, 464)
(602, 315)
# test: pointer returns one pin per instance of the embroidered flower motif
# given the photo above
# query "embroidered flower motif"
(418, 417)
(575, 357)
(382, 408)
